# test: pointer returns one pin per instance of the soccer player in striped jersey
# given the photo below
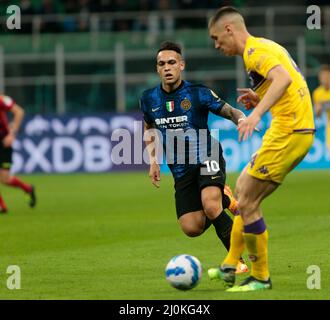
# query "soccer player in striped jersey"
(180, 107)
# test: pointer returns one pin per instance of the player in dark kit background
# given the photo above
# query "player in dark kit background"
(178, 107)
(8, 132)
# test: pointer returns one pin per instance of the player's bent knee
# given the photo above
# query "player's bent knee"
(212, 209)
(193, 234)
(192, 231)
(192, 223)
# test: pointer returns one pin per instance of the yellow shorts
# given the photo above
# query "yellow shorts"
(279, 154)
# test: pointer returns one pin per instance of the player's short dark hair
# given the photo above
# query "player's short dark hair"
(325, 67)
(223, 11)
(169, 45)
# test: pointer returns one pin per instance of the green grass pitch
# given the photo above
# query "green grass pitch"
(110, 236)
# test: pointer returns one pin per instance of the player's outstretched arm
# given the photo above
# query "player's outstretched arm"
(248, 98)
(151, 142)
(231, 113)
(280, 81)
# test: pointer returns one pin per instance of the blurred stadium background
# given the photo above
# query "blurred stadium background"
(106, 49)
(78, 69)
(83, 57)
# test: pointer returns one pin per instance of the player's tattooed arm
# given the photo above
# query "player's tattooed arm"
(230, 113)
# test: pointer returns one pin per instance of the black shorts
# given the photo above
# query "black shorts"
(188, 188)
(5, 157)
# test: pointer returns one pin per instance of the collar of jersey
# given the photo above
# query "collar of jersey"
(178, 88)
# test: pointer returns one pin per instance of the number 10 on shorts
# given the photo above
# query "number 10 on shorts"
(212, 167)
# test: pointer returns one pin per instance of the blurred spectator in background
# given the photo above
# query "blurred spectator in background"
(26, 10)
(69, 23)
(165, 21)
(191, 4)
(191, 22)
(105, 6)
(48, 7)
(142, 22)
(106, 24)
(121, 24)
(321, 97)
(78, 14)
(84, 10)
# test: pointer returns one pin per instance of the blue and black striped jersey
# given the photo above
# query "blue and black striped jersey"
(184, 110)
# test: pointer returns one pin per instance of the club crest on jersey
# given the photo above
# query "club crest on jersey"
(170, 106)
(185, 104)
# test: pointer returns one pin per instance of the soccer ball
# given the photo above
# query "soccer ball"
(183, 272)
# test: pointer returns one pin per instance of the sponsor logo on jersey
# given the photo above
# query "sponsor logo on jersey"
(171, 120)
(155, 109)
(185, 104)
